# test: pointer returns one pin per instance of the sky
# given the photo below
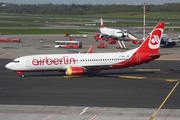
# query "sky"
(134, 2)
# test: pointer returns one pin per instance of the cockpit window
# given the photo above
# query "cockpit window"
(16, 61)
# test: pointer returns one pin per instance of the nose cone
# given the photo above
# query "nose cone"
(9, 66)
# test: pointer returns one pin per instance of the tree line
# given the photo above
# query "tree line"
(85, 9)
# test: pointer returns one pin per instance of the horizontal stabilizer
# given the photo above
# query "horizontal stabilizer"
(166, 53)
(154, 55)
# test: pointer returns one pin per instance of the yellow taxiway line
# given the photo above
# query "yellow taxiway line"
(148, 70)
(171, 80)
(75, 76)
(156, 112)
(132, 77)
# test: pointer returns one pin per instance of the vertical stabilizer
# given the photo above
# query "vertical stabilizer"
(90, 49)
(152, 43)
(102, 25)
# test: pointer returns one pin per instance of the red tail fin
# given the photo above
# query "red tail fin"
(102, 25)
(152, 43)
(90, 49)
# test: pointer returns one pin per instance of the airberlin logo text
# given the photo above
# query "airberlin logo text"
(53, 61)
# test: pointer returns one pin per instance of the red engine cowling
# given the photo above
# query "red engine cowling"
(75, 71)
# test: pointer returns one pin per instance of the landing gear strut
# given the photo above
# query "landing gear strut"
(90, 73)
(21, 73)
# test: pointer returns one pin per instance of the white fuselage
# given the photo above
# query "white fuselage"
(111, 32)
(63, 61)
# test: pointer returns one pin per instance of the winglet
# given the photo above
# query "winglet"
(102, 25)
(90, 49)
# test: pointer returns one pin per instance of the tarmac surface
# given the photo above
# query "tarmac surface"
(132, 93)
(30, 45)
(129, 94)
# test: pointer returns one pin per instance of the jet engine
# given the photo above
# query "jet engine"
(75, 71)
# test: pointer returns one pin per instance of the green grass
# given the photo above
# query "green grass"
(53, 31)
(45, 31)
(162, 16)
(122, 19)
(24, 25)
(129, 24)
(41, 19)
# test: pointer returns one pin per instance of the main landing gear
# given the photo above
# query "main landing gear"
(92, 72)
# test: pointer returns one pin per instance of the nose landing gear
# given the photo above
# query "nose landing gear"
(21, 73)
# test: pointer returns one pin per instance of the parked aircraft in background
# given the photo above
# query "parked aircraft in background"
(165, 41)
(84, 63)
(117, 34)
(110, 32)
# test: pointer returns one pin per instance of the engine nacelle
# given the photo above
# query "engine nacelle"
(75, 71)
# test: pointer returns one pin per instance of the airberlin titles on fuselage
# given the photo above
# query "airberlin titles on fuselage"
(53, 61)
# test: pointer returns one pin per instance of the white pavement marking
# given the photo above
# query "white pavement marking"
(84, 110)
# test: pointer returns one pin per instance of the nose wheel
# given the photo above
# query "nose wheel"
(22, 75)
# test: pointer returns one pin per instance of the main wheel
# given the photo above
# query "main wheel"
(90, 73)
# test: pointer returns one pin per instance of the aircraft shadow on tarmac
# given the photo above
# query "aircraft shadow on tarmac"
(105, 74)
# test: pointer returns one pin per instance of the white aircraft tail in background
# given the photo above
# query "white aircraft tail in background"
(78, 64)
(102, 24)
(110, 32)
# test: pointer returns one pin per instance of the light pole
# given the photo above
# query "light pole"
(144, 24)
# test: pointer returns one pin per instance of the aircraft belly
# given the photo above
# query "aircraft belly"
(45, 67)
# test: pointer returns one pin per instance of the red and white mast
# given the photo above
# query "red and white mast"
(144, 24)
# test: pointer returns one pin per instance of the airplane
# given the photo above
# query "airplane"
(116, 34)
(83, 63)
(165, 41)
(110, 32)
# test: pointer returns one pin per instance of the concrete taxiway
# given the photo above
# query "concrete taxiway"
(82, 113)
(30, 45)
(129, 94)
(107, 95)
